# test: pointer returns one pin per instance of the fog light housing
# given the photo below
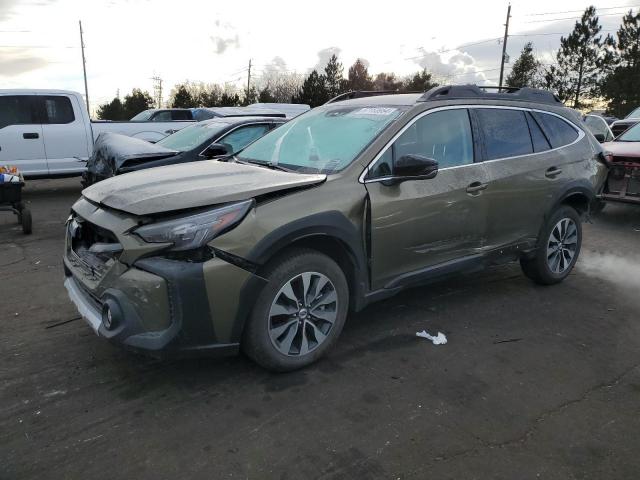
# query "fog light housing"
(111, 314)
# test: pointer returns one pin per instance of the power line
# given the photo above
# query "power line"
(545, 34)
(578, 11)
(454, 48)
(573, 18)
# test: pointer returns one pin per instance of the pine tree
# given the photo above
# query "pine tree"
(526, 70)
(314, 90)
(333, 73)
(266, 96)
(359, 78)
(387, 81)
(137, 101)
(182, 98)
(420, 82)
(229, 99)
(114, 110)
(250, 96)
(582, 59)
(621, 86)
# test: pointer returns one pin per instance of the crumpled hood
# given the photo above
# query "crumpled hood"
(112, 150)
(623, 149)
(192, 185)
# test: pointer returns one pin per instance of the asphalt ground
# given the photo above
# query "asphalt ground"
(534, 382)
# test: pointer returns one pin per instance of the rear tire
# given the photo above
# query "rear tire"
(25, 219)
(558, 248)
(299, 314)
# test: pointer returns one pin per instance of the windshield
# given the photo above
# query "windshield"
(142, 116)
(634, 114)
(324, 140)
(631, 135)
(190, 137)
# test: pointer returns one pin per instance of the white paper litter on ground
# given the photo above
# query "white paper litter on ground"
(439, 339)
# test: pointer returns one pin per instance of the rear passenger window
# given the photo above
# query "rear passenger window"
(540, 142)
(164, 116)
(558, 131)
(506, 133)
(57, 110)
(181, 115)
(17, 110)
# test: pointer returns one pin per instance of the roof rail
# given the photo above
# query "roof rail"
(360, 94)
(524, 94)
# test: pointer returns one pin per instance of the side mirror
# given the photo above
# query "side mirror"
(413, 167)
(600, 137)
(215, 150)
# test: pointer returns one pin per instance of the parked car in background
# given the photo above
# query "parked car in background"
(599, 128)
(116, 154)
(164, 115)
(603, 113)
(623, 181)
(342, 206)
(291, 110)
(48, 133)
(620, 126)
(287, 110)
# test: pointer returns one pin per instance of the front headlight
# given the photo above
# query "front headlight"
(194, 231)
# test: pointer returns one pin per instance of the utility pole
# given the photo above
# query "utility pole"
(504, 46)
(84, 69)
(157, 90)
(249, 78)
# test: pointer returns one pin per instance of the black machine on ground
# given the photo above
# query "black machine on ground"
(11, 201)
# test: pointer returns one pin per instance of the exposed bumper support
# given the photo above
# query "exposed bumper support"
(87, 310)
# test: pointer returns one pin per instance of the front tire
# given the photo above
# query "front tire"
(299, 314)
(558, 248)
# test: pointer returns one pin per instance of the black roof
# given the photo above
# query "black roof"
(452, 92)
(525, 94)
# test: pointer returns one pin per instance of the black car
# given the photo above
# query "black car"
(115, 154)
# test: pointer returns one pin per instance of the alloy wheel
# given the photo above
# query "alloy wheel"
(562, 245)
(303, 313)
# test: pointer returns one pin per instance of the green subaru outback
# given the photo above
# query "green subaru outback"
(270, 249)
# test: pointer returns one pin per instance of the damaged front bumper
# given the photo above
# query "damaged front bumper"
(623, 181)
(150, 303)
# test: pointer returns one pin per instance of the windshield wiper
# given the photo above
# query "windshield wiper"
(271, 165)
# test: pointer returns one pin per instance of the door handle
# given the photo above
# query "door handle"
(30, 136)
(476, 187)
(170, 131)
(553, 172)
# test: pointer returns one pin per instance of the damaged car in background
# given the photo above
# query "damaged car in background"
(342, 206)
(115, 154)
(623, 181)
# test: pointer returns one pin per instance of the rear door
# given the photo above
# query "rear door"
(418, 225)
(526, 168)
(65, 135)
(21, 142)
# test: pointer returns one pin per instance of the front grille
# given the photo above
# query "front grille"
(617, 158)
(92, 248)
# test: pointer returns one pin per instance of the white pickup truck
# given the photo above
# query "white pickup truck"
(48, 133)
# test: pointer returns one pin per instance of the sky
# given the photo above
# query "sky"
(130, 41)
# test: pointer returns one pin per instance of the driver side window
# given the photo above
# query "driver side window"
(444, 136)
